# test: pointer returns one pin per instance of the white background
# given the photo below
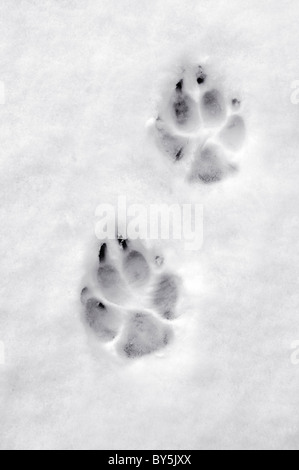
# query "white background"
(82, 77)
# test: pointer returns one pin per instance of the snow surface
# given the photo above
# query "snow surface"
(82, 78)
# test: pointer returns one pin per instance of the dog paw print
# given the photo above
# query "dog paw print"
(197, 122)
(130, 299)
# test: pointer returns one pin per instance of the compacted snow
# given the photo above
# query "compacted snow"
(82, 82)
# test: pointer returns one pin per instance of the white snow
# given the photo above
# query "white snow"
(82, 78)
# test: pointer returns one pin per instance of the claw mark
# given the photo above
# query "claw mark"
(200, 76)
(179, 85)
(103, 253)
(179, 155)
(236, 103)
(123, 242)
(159, 261)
